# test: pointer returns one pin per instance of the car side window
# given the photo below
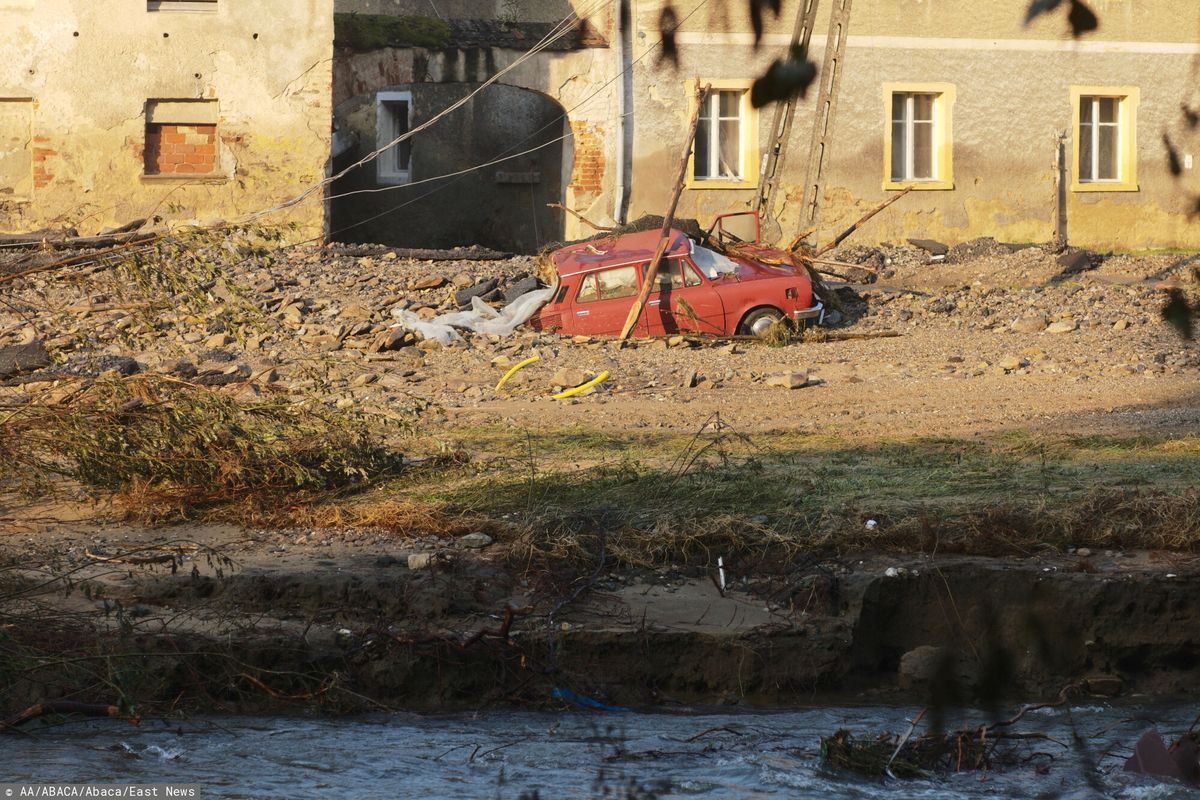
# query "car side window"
(670, 275)
(690, 276)
(608, 284)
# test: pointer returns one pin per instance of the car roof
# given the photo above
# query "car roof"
(616, 251)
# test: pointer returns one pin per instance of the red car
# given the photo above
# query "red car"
(743, 289)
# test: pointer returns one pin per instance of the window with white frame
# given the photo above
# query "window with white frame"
(914, 136)
(718, 150)
(1099, 139)
(393, 113)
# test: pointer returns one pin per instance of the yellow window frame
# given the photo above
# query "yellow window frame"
(943, 115)
(748, 115)
(1129, 96)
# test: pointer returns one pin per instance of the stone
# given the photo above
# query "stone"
(920, 666)
(425, 312)
(1030, 323)
(1120, 325)
(430, 282)
(463, 296)
(16, 358)
(1063, 326)
(1083, 552)
(788, 380)
(344, 403)
(569, 378)
(690, 379)
(675, 341)
(420, 560)
(429, 344)
(357, 311)
(364, 379)
(1010, 363)
(463, 281)
(930, 246)
(294, 314)
(1073, 262)
(475, 541)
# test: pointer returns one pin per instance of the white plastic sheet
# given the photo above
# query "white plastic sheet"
(481, 317)
(712, 263)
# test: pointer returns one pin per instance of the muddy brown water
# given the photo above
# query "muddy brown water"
(580, 755)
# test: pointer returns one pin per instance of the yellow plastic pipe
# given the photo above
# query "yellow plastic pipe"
(603, 376)
(513, 371)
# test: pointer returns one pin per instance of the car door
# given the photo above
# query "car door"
(683, 301)
(602, 302)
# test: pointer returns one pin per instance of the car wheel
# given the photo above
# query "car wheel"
(760, 320)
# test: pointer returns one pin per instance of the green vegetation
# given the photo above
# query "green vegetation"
(364, 32)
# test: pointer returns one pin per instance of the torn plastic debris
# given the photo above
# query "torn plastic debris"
(481, 318)
(583, 701)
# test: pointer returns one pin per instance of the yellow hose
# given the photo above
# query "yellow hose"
(513, 371)
(603, 376)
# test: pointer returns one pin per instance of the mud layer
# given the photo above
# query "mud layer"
(362, 630)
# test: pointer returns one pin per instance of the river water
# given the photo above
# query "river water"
(576, 755)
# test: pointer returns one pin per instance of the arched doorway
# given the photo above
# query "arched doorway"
(434, 190)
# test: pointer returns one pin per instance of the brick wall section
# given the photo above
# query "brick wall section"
(588, 171)
(180, 149)
(41, 177)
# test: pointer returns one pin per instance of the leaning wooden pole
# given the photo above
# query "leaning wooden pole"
(664, 240)
(842, 236)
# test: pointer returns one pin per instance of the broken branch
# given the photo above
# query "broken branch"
(862, 221)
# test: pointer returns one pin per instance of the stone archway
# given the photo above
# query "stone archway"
(403, 199)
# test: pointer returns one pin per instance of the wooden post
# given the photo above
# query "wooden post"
(652, 270)
(844, 234)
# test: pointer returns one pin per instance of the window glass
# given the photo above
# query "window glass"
(914, 136)
(587, 289)
(718, 147)
(1099, 139)
(690, 276)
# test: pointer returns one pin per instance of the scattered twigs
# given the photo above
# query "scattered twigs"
(300, 697)
(65, 707)
(510, 613)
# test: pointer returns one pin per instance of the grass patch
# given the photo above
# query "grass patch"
(664, 498)
(363, 32)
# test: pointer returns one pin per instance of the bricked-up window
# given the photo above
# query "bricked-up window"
(181, 138)
(393, 111)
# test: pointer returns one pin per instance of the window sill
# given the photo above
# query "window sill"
(393, 179)
(709, 183)
(918, 186)
(185, 179)
(1115, 186)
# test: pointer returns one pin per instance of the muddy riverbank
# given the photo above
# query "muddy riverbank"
(363, 626)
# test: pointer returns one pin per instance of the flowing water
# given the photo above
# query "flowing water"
(577, 755)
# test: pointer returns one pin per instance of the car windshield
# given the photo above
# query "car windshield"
(712, 263)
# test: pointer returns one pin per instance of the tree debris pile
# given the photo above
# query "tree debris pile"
(187, 445)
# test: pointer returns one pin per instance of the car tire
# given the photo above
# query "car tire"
(759, 321)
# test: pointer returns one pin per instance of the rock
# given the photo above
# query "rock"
(1083, 552)
(689, 379)
(1063, 326)
(392, 339)
(569, 378)
(920, 666)
(364, 379)
(429, 344)
(420, 560)
(475, 541)
(523, 286)
(425, 312)
(788, 380)
(1077, 261)
(294, 314)
(430, 282)
(218, 340)
(16, 358)
(357, 311)
(463, 281)
(1010, 363)
(344, 403)
(930, 246)
(1120, 325)
(463, 296)
(675, 341)
(1030, 323)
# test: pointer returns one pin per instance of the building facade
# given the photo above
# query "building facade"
(189, 110)
(1019, 132)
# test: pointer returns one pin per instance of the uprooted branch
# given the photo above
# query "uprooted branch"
(64, 707)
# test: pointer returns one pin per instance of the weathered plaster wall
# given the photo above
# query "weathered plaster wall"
(523, 10)
(1012, 93)
(576, 81)
(89, 66)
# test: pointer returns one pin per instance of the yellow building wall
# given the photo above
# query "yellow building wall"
(85, 69)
